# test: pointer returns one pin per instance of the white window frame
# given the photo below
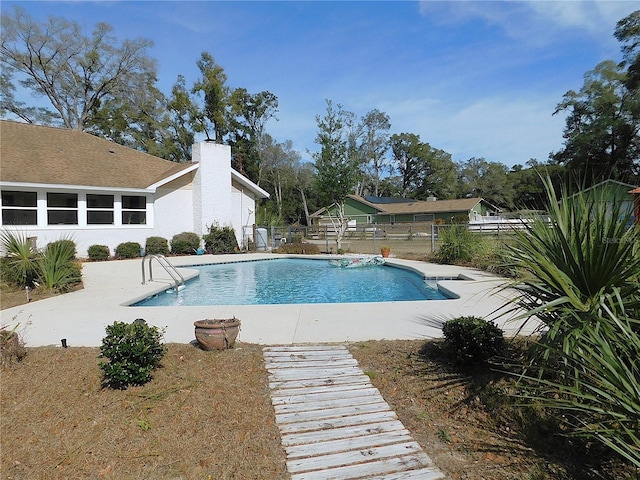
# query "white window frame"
(124, 211)
(14, 207)
(75, 209)
(111, 209)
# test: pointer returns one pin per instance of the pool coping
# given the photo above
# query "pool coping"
(189, 276)
(81, 317)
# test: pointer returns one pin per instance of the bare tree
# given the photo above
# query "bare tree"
(75, 73)
(340, 223)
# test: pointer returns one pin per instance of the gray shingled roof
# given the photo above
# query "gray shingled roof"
(408, 206)
(38, 154)
(421, 206)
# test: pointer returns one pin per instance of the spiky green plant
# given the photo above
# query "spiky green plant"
(56, 266)
(576, 261)
(20, 266)
(582, 282)
(598, 388)
(457, 243)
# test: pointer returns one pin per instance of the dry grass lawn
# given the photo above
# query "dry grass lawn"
(207, 415)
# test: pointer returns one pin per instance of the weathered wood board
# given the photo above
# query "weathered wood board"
(334, 424)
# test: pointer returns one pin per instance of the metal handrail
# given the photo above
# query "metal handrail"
(168, 267)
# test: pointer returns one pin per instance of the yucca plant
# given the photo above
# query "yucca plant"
(20, 266)
(598, 389)
(582, 281)
(576, 260)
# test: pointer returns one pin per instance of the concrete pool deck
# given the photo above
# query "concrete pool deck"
(81, 317)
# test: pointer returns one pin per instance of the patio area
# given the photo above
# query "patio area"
(109, 287)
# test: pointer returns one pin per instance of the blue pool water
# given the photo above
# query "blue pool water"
(292, 281)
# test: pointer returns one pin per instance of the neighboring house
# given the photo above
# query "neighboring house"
(60, 183)
(620, 190)
(367, 210)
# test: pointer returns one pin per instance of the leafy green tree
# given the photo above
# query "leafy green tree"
(134, 119)
(628, 32)
(247, 116)
(528, 187)
(424, 171)
(214, 94)
(405, 148)
(438, 177)
(390, 186)
(602, 127)
(479, 178)
(181, 112)
(75, 73)
(374, 145)
(334, 167)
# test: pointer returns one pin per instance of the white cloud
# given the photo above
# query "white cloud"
(500, 129)
(539, 22)
(593, 16)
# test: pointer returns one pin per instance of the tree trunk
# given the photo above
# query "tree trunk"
(306, 208)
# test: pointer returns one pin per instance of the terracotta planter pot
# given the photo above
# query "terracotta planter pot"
(217, 334)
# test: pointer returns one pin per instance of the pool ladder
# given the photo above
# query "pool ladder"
(168, 267)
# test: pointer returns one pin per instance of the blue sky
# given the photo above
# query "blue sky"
(477, 79)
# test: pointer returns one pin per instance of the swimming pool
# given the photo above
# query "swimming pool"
(296, 281)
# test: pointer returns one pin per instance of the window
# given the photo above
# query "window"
(19, 208)
(99, 209)
(62, 208)
(423, 217)
(134, 210)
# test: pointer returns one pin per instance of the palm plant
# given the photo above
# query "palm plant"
(56, 268)
(20, 264)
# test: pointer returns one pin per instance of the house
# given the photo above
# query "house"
(624, 193)
(60, 183)
(368, 210)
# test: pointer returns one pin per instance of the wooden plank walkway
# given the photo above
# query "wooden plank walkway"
(334, 424)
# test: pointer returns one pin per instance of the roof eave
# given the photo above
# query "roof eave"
(171, 178)
(261, 193)
(56, 186)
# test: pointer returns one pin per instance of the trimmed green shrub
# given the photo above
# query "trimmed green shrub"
(133, 351)
(128, 250)
(220, 240)
(185, 243)
(298, 248)
(472, 339)
(98, 253)
(156, 246)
